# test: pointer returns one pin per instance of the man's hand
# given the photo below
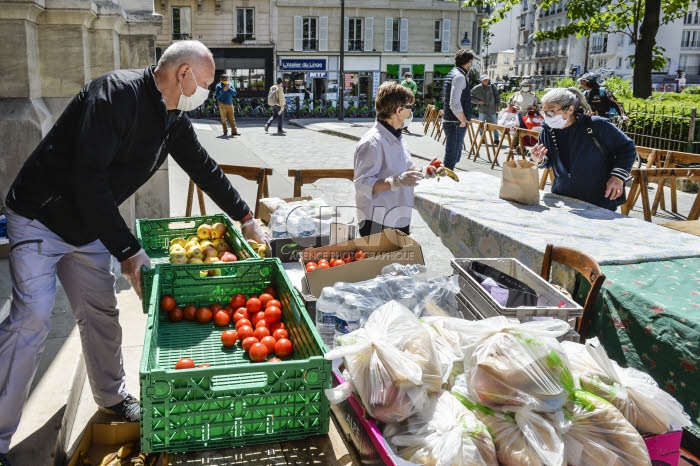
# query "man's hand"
(225, 88)
(252, 230)
(481, 102)
(131, 269)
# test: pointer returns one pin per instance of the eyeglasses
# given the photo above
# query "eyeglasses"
(408, 107)
(551, 113)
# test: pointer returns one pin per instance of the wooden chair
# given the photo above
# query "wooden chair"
(588, 268)
(652, 158)
(257, 174)
(305, 176)
(671, 160)
(642, 177)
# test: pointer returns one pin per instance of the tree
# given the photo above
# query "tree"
(638, 19)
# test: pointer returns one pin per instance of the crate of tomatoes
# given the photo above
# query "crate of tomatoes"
(230, 360)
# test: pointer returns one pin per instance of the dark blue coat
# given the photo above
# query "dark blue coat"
(581, 171)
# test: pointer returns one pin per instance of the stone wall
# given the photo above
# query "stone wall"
(50, 50)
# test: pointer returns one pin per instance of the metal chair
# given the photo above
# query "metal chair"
(588, 268)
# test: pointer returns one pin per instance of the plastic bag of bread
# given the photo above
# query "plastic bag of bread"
(634, 393)
(391, 363)
(600, 435)
(521, 436)
(516, 369)
(444, 434)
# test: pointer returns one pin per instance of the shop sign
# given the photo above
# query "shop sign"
(318, 74)
(297, 64)
(375, 84)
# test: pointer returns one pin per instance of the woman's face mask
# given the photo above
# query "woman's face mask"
(187, 103)
(526, 88)
(408, 80)
(555, 122)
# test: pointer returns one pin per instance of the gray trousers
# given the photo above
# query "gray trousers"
(37, 257)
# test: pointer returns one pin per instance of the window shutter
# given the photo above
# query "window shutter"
(369, 34)
(388, 33)
(298, 29)
(445, 35)
(346, 36)
(403, 33)
(323, 34)
(185, 21)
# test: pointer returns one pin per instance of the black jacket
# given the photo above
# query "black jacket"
(108, 142)
(581, 171)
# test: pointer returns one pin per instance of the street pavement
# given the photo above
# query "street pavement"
(61, 396)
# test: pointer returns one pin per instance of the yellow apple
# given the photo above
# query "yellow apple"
(204, 231)
(211, 260)
(210, 251)
(194, 238)
(206, 243)
(180, 241)
(215, 272)
(195, 253)
(176, 249)
(178, 259)
(218, 230)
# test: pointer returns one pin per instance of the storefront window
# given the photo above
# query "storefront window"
(249, 81)
(294, 82)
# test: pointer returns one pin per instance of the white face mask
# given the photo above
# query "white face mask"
(555, 122)
(187, 103)
(408, 80)
(408, 120)
(526, 89)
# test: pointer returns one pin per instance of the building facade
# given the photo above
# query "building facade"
(501, 65)
(256, 41)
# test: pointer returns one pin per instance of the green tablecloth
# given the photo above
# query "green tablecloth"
(648, 317)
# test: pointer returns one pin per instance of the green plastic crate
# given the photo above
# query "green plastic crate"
(234, 402)
(155, 236)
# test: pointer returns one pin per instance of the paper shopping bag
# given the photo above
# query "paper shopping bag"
(520, 182)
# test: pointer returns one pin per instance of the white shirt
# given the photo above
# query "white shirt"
(379, 155)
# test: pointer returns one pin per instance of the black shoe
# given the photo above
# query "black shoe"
(267, 127)
(4, 460)
(281, 132)
(128, 409)
(225, 134)
(235, 133)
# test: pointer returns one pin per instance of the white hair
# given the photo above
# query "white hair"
(182, 51)
(566, 97)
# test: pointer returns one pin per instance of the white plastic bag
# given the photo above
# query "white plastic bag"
(638, 397)
(444, 434)
(600, 435)
(508, 118)
(391, 362)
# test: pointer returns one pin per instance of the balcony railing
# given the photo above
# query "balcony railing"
(599, 49)
(309, 44)
(356, 45)
(181, 36)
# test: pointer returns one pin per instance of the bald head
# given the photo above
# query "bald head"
(183, 66)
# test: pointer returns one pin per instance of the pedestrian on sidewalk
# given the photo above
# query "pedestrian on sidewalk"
(456, 96)
(384, 172)
(602, 102)
(276, 99)
(224, 96)
(63, 217)
(487, 99)
(411, 85)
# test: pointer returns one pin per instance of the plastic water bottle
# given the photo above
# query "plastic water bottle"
(279, 229)
(307, 226)
(343, 326)
(294, 226)
(325, 324)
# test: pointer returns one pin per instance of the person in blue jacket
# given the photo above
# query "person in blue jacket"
(225, 93)
(590, 156)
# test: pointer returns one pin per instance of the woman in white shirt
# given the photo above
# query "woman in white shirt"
(384, 173)
(525, 99)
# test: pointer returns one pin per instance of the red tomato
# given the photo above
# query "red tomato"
(271, 291)
(167, 303)
(184, 363)
(203, 366)
(254, 295)
(310, 268)
(253, 305)
(261, 323)
(283, 347)
(346, 257)
(258, 352)
(230, 309)
(203, 315)
(240, 313)
(324, 265)
(242, 322)
(323, 261)
(280, 333)
(437, 163)
(189, 312)
(215, 308)
(311, 264)
(244, 332)
(274, 302)
(176, 314)
(264, 298)
(273, 314)
(257, 316)
(359, 255)
(339, 262)
(274, 360)
(246, 343)
(261, 332)
(269, 342)
(276, 325)
(228, 338)
(238, 300)
(221, 318)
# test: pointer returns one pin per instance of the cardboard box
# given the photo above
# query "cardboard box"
(289, 249)
(664, 448)
(382, 249)
(101, 439)
(265, 209)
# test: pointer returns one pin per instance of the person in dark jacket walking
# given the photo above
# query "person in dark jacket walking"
(458, 107)
(224, 96)
(63, 217)
(590, 156)
(601, 100)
